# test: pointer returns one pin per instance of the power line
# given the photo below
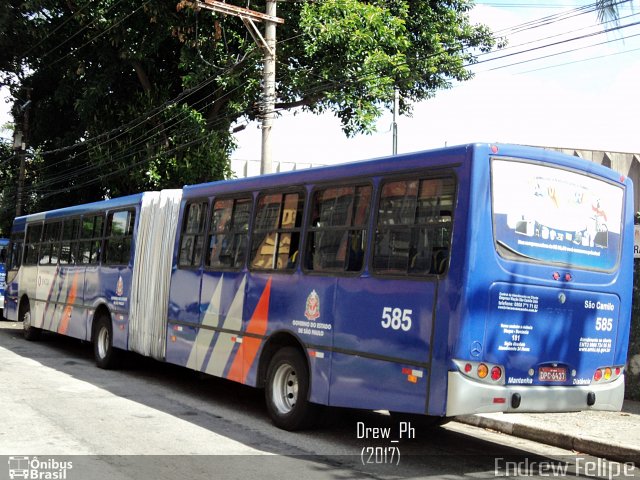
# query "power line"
(562, 42)
(67, 20)
(579, 61)
(132, 125)
(560, 53)
(71, 37)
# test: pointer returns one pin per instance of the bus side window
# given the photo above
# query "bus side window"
(192, 241)
(276, 231)
(50, 246)
(337, 233)
(414, 227)
(15, 251)
(91, 238)
(117, 244)
(69, 246)
(34, 234)
(228, 233)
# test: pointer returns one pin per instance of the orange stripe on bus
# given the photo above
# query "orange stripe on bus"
(66, 314)
(246, 354)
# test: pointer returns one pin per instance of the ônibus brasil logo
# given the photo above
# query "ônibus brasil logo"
(36, 469)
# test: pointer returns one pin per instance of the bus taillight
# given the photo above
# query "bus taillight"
(485, 372)
(608, 373)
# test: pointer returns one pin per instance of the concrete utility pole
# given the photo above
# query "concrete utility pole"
(20, 138)
(268, 46)
(269, 88)
(396, 113)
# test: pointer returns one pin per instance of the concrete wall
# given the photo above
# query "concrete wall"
(251, 168)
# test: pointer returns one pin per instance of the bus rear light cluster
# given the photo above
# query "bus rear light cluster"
(483, 371)
(607, 374)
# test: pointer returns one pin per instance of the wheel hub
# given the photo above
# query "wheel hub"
(285, 388)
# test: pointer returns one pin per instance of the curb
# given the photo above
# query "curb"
(590, 446)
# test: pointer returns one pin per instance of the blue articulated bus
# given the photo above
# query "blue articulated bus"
(479, 278)
(4, 248)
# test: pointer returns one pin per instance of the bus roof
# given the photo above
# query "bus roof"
(448, 156)
(376, 166)
(101, 205)
(416, 160)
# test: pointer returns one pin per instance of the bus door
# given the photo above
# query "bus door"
(4, 245)
(116, 272)
(184, 312)
(88, 259)
(382, 332)
(63, 312)
(48, 281)
(224, 284)
(13, 281)
(384, 318)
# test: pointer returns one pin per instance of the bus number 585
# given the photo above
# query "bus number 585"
(604, 324)
(396, 318)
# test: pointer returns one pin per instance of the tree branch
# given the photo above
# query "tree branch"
(304, 102)
(142, 75)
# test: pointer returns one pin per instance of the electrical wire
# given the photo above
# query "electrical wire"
(139, 121)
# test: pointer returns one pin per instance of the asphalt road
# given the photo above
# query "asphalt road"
(150, 420)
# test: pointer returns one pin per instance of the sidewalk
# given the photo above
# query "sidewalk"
(612, 435)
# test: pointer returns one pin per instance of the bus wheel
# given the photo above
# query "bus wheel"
(103, 351)
(30, 332)
(287, 390)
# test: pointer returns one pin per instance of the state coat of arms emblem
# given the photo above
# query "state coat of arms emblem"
(120, 287)
(312, 310)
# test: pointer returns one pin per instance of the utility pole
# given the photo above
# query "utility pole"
(269, 88)
(268, 46)
(20, 139)
(396, 113)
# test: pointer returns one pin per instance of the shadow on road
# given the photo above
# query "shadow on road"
(238, 412)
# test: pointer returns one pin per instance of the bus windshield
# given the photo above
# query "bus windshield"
(552, 215)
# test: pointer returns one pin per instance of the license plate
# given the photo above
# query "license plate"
(552, 374)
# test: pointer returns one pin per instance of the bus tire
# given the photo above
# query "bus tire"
(287, 391)
(105, 355)
(31, 333)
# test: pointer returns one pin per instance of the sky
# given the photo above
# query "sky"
(585, 99)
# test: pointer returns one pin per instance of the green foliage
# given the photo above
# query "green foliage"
(128, 96)
(8, 180)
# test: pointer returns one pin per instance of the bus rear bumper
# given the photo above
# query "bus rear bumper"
(466, 396)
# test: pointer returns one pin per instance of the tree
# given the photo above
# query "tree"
(128, 96)
(609, 10)
(8, 179)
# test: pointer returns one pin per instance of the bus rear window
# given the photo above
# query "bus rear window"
(551, 215)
